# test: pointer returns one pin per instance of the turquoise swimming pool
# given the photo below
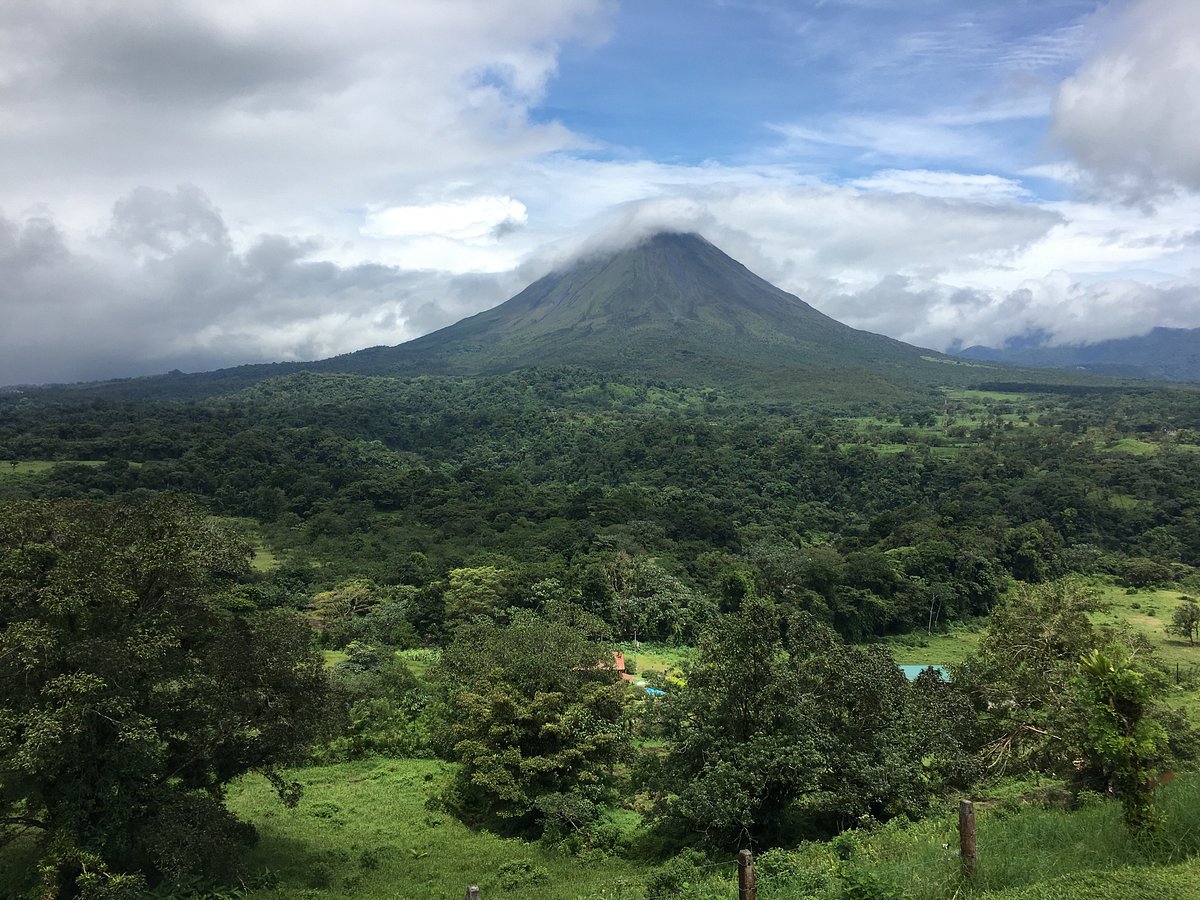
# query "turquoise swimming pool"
(911, 672)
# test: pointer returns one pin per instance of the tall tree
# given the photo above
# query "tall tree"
(1126, 741)
(132, 695)
(1021, 678)
(536, 715)
(744, 740)
(1185, 621)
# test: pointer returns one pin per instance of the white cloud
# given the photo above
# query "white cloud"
(986, 188)
(296, 115)
(1131, 115)
(475, 219)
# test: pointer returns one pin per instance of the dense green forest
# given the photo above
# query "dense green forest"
(323, 570)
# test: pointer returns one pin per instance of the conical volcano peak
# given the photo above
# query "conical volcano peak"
(667, 305)
(680, 240)
(670, 304)
(610, 244)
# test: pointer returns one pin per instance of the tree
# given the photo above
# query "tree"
(1020, 679)
(1041, 709)
(339, 611)
(133, 695)
(778, 718)
(473, 592)
(1126, 742)
(1185, 621)
(1034, 551)
(742, 743)
(1143, 572)
(535, 715)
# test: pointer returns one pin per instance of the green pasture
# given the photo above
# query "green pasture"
(364, 830)
(1147, 612)
(264, 559)
(35, 467)
(989, 395)
(969, 364)
(418, 661)
(665, 659)
(938, 649)
(1028, 849)
(1132, 445)
(333, 657)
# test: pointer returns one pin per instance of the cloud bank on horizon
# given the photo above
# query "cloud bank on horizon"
(213, 182)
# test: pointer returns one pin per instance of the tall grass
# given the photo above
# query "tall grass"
(1027, 851)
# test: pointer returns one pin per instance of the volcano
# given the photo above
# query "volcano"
(672, 307)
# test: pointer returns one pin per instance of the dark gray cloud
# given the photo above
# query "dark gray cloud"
(297, 115)
(165, 288)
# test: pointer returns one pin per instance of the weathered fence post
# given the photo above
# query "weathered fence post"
(966, 836)
(746, 889)
(473, 892)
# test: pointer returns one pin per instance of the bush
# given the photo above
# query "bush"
(385, 707)
(859, 884)
(520, 873)
(676, 877)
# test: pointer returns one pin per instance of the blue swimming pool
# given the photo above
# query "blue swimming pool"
(911, 672)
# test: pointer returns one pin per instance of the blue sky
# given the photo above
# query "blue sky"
(715, 82)
(211, 182)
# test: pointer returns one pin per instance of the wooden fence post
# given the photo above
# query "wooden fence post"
(472, 893)
(746, 889)
(966, 836)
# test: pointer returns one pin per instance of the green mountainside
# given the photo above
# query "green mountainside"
(672, 306)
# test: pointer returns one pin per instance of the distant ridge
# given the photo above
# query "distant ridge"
(1172, 354)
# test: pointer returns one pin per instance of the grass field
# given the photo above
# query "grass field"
(1025, 850)
(42, 466)
(1132, 445)
(363, 830)
(665, 659)
(1147, 612)
(418, 661)
(264, 559)
(940, 649)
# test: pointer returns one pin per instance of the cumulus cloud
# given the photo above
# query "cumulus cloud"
(1131, 114)
(305, 109)
(165, 287)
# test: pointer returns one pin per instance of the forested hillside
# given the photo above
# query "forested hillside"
(467, 552)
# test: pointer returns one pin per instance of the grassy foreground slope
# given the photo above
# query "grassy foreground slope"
(1030, 850)
(363, 831)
